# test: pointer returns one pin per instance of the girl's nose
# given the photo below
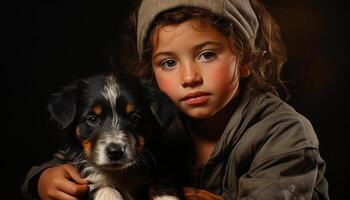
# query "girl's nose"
(190, 76)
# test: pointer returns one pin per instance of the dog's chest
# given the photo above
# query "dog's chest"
(126, 182)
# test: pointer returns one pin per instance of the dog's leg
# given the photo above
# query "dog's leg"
(107, 193)
(166, 197)
(160, 191)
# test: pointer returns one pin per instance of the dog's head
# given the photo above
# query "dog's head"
(113, 118)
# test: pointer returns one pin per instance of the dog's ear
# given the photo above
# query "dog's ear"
(161, 105)
(62, 106)
(163, 109)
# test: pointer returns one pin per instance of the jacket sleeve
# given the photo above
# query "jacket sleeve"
(292, 175)
(284, 163)
(29, 185)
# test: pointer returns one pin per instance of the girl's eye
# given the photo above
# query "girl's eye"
(92, 120)
(168, 64)
(207, 56)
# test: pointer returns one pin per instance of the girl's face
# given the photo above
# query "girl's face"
(194, 65)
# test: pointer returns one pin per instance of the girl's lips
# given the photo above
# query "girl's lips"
(196, 98)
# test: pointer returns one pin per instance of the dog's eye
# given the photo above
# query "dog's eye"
(92, 120)
(135, 117)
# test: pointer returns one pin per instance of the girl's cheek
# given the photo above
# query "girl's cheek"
(167, 84)
(224, 77)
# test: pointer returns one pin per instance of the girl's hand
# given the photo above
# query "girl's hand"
(62, 182)
(197, 194)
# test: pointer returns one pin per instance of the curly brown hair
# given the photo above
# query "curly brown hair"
(266, 58)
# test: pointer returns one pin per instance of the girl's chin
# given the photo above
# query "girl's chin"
(198, 113)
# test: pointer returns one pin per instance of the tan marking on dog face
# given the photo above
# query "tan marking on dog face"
(129, 108)
(97, 109)
(85, 143)
(141, 141)
(77, 132)
(87, 148)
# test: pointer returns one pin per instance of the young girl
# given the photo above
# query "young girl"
(220, 62)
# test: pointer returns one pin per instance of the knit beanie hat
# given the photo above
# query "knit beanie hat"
(239, 11)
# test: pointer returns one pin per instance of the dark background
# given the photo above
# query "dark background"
(52, 43)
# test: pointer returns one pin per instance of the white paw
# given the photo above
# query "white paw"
(166, 197)
(107, 193)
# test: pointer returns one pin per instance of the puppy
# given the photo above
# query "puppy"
(113, 125)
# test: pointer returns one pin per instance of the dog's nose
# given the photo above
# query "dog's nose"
(115, 151)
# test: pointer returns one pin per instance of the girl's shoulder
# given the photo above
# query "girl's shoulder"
(269, 105)
(279, 123)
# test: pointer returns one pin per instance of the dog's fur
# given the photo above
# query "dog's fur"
(113, 124)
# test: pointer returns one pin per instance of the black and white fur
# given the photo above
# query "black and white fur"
(113, 124)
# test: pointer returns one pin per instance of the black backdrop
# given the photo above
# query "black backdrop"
(52, 43)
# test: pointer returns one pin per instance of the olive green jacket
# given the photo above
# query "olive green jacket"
(267, 151)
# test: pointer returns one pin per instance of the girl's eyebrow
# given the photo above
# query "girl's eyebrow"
(195, 48)
(164, 53)
(201, 45)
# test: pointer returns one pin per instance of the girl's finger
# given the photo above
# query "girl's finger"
(64, 196)
(74, 175)
(73, 188)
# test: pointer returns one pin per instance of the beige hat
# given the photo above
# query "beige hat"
(239, 11)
